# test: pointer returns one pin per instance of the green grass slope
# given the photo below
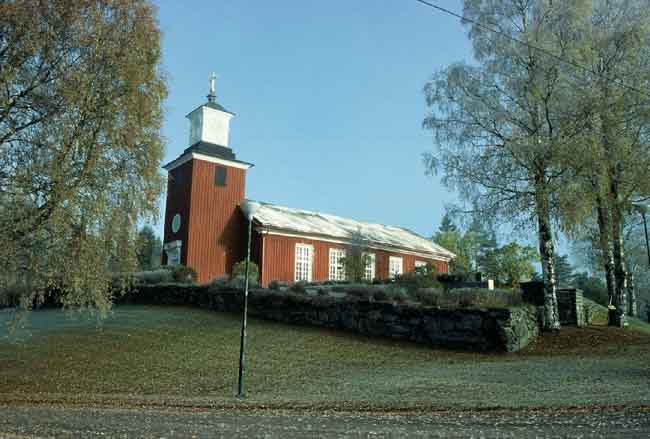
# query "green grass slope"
(173, 355)
(600, 318)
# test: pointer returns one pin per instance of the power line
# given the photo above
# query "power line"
(531, 46)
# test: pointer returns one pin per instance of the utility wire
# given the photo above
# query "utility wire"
(531, 46)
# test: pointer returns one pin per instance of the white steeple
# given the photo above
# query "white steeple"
(210, 122)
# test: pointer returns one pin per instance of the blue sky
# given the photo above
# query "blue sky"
(328, 97)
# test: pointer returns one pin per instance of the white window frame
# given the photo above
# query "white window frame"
(419, 264)
(304, 262)
(336, 268)
(370, 270)
(395, 266)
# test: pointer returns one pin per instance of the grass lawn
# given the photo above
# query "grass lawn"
(600, 318)
(175, 355)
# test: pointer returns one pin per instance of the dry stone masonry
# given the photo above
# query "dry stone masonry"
(479, 329)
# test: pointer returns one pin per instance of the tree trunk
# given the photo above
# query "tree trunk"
(631, 288)
(547, 254)
(605, 245)
(618, 316)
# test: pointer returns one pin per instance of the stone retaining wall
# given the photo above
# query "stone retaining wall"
(569, 302)
(571, 307)
(503, 330)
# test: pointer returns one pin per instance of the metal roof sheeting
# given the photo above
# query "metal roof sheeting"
(316, 223)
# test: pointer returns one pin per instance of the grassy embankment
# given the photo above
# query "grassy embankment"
(172, 355)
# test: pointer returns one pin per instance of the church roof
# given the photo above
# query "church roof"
(214, 106)
(324, 225)
(203, 149)
(212, 150)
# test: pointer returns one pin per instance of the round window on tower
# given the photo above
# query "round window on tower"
(176, 223)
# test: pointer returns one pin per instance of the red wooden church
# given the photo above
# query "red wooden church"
(205, 228)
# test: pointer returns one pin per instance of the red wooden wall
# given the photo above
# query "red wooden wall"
(276, 257)
(214, 236)
(217, 227)
(179, 190)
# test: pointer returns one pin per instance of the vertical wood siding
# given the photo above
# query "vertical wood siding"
(257, 254)
(179, 189)
(279, 259)
(217, 228)
(214, 236)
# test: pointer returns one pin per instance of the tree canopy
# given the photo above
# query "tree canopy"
(549, 125)
(148, 249)
(501, 125)
(81, 95)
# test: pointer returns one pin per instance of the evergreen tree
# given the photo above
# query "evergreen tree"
(148, 249)
(451, 238)
(484, 257)
(446, 224)
(563, 271)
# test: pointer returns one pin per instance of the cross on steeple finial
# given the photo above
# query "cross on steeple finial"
(212, 94)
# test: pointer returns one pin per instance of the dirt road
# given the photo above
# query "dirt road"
(60, 422)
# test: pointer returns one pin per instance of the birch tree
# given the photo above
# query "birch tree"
(80, 148)
(500, 126)
(614, 160)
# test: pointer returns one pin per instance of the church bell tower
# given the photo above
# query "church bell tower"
(204, 228)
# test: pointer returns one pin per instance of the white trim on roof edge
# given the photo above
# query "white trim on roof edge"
(206, 158)
(291, 234)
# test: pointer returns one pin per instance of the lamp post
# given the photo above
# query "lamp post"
(643, 209)
(249, 208)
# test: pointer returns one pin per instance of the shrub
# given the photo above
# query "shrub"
(220, 283)
(238, 277)
(427, 296)
(423, 277)
(298, 298)
(361, 292)
(277, 285)
(481, 297)
(299, 287)
(153, 277)
(183, 274)
(380, 295)
(453, 278)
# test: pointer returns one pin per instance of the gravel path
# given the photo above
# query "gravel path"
(59, 422)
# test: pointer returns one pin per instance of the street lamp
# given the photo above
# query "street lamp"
(249, 208)
(643, 209)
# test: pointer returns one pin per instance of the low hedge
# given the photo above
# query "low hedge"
(204, 295)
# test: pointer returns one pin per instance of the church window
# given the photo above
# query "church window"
(370, 266)
(395, 267)
(421, 265)
(337, 270)
(220, 176)
(304, 261)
